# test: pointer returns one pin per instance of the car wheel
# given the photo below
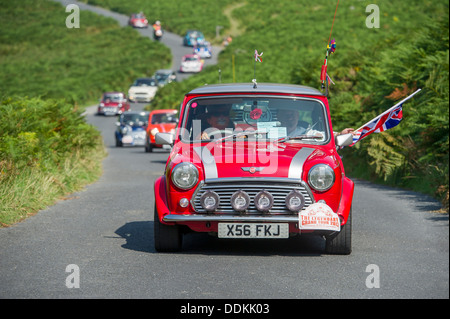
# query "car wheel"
(341, 243)
(167, 238)
(148, 146)
(118, 143)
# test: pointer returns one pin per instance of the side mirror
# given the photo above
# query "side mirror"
(344, 140)
(164, 138)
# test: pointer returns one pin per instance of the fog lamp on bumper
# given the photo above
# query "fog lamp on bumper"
(295, 201)
(263, 201)
(240, 201)
(209, 201)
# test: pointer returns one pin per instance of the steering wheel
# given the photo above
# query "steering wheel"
(215, 132)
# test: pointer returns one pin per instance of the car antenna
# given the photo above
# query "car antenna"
(257, 59)
(331, 47)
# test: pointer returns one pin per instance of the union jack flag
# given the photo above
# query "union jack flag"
(388, 119)
(258, 56)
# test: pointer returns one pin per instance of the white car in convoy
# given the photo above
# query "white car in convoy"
(143, 90)
(191, 63)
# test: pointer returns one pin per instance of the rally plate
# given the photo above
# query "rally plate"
(253, 230)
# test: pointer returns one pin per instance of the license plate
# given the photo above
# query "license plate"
(127, 139)
(252, 230)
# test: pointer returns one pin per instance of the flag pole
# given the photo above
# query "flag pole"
(388, 110)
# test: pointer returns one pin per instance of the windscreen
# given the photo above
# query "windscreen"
(300, 119)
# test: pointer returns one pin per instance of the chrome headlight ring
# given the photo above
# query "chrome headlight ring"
(185, 175)
(321, 177)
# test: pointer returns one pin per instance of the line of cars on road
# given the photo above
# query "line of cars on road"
(190, 63)
(194, 62)
(142, 90)
(135, 128)
(139, 128)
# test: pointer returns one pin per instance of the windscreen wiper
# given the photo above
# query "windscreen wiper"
(299, 137)
(239, 134)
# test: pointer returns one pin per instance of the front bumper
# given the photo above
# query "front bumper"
(177, 218)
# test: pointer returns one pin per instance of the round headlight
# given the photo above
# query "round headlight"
(240, 201)
(263, 201)
(185, 175)
(209, 201)
(295, 201)
(321, 177)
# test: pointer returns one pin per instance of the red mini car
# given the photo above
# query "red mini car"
(138, 20)
(113, 103)
(254, 161)
(159, 121)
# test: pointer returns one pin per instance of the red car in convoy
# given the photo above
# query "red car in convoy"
(164, 121)
(254, 161)
(113, 103)
(138, 20)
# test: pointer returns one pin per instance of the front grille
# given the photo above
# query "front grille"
(225, 190)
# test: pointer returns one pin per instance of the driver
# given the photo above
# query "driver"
(157, 25)
(217, 118)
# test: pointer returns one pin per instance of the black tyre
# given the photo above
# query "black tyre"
(341, 243)
(148, 145)
(167, 238)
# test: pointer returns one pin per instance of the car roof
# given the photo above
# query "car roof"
(165, 71)
(136, 112)
(163, 111)
(260, 88)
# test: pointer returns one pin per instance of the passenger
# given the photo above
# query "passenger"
(290, 119)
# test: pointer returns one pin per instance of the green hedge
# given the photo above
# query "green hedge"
(40, 56)
(47, 150)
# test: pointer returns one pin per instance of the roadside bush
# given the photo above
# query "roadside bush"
(46, 151)
(38, 132)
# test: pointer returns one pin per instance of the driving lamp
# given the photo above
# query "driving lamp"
(263, 201)
(240, 201)
(295, 201)
(209, 201)
(321, 177)
(185, 175)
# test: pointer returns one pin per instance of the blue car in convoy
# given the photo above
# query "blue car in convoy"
(193, 37)
(203, 50)
(131, 129)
